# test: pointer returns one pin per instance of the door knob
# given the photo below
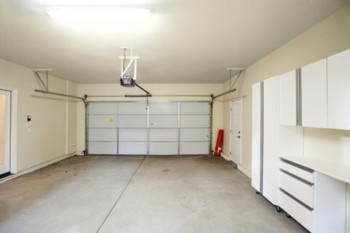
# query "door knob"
(238, 136)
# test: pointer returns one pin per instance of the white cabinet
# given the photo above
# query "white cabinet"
(265, 131)
(339, 90)
(315, 200)
(288, 98)
(256, 136)
(270, 133)
(314, 94)
(319, 95)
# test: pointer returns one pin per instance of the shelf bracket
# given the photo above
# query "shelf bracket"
(37, 72)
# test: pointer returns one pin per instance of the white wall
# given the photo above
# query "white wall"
(326, 38)
(154, 89)
(53, 131)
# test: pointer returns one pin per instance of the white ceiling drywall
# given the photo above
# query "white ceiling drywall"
(189, 41)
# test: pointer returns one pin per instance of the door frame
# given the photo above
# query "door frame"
(13, 127)
(231, 132)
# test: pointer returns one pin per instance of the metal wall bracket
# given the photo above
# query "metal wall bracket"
(240, 70)
(37, 72)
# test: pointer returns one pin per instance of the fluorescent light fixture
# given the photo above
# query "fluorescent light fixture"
(99, 14)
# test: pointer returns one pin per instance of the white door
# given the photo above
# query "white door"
(5, 116)
(236, 131)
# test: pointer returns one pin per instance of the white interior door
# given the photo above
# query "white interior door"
(236, 131)
(5, 142)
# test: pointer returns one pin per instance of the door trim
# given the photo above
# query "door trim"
(13, 128)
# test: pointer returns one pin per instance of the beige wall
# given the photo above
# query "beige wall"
(53, 131)
(326, 38)
(154, 89)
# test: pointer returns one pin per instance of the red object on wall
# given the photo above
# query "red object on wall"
(219, 142)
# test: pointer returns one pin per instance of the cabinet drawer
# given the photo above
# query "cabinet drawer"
(303, 173)
(297, 188)
(299, 212)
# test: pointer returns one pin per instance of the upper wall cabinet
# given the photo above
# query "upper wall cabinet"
(288, 98)
(314, 94)
(339, 91)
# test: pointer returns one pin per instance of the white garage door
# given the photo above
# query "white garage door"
(162, 128)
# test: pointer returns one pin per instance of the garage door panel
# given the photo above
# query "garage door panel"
(197, 148)
(163, 121)
(163, 148)
(195, 135)
(133, 148)
(102, 108)
(161, 135)
(133, 121)
(103, 135)
(102, 121)
(133, 135)
(163, 108)
(195, 121)
(103, 148)
(195, 108)
(133, 108)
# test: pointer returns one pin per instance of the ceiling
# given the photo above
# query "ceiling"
(187, 41)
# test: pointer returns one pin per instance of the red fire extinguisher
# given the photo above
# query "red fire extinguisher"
(219, 142)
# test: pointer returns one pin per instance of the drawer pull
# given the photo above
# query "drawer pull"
(295, 199)
(296, 177)
(297, 165)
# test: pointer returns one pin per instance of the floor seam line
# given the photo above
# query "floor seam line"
(121, 194)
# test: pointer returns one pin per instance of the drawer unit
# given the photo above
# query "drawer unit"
(315, 200)
(299, 212)
(298, 188)
(296, 192)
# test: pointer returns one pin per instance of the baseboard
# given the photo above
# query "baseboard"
(225, 156)
(31, 169)
(244, 170)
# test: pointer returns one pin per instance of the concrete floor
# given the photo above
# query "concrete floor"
(138, 195)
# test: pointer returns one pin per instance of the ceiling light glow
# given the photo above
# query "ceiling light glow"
(128, 19)
(99, 14)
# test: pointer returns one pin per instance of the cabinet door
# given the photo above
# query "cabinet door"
(270, 128)
(256, 136)
(314, 94)
(339, 91)
(288, 98)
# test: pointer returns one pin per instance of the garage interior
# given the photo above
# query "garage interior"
(111, 110)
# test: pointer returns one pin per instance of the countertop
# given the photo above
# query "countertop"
(330, 169)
